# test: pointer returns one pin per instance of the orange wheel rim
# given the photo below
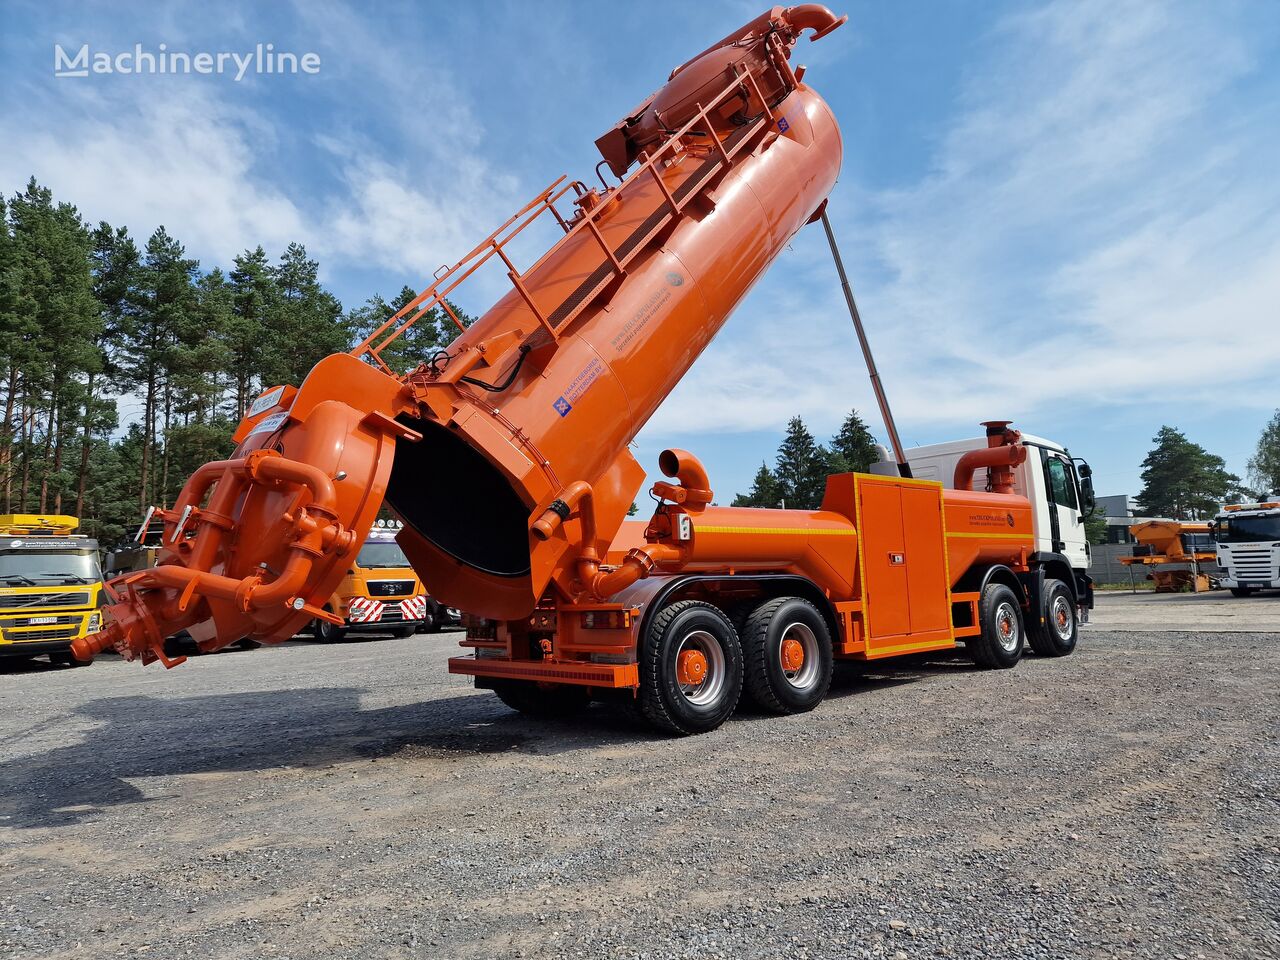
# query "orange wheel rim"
(691, 667)
(792, 655)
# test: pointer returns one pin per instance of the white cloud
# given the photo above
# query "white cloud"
(209, 160)
(1098, 228)
(187, 163)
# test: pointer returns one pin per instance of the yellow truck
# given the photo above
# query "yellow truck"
(50, 586)
(381, 593)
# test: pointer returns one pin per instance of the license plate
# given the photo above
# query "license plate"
(39, 621)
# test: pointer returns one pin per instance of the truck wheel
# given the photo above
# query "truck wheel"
(1242, 591)
(1057, 636)
(999, 646)
(430, 621)
(327, 632)
(690, 668)
(787, 649)
(545, 700)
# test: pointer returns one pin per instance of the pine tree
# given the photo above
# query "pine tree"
(307, 323)
(854, 447)
(14, 344)
(1264, 465)
(764, 490)
(168, 301)
(115, 266)
(433, 331)
(254, 300)
(59, 323)
(801, 468)
(1182, 480)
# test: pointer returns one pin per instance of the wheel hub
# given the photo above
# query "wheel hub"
(691, 668)
(792, 655)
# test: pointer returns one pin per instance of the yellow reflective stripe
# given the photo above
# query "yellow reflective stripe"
(819, 531)
(916, 645)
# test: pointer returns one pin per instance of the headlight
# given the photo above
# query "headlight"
(95, 623)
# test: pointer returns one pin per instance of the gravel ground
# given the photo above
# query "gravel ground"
(356, 801)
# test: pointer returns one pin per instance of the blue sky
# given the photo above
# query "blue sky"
(1064, 214)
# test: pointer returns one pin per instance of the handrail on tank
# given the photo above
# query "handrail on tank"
(585, 219)
(481, 254)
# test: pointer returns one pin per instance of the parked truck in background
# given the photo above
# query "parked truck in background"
(381, 593)
(50, 587)
(1247, 536)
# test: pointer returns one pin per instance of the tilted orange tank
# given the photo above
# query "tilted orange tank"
(735, 154)
(506, 455)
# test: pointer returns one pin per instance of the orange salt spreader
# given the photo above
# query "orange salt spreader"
(506, 456)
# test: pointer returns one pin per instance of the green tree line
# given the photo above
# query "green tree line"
(127, 363)
(798, 477)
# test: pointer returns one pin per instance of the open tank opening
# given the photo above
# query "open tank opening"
(452, 495)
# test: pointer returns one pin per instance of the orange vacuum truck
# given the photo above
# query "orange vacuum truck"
(506, 455)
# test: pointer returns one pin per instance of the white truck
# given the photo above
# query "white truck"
(1060, 489)
(1248, 542)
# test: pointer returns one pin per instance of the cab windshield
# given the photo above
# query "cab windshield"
(44, 567)
(1249, 529)
(383, 554)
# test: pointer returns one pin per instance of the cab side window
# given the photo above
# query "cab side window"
(1061, 489)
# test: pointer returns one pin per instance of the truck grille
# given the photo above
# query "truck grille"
(390, 588)
(53, 633)
(10, 622)
(1251, 564)
(15, 600)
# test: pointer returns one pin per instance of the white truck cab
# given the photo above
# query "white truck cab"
(1248, 543)
(1058, 486)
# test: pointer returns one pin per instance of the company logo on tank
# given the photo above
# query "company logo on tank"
(578, 386)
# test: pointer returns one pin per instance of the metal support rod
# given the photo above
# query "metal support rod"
(903, 467)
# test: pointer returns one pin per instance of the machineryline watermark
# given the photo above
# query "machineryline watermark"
(263, 59)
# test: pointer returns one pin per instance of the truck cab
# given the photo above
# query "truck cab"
(50, 587)
(381, 593)
(1247, 537)
(1059, 487)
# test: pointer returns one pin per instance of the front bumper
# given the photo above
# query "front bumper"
(1250, 584)
(34, 648)
(377, 613)
(34, 639)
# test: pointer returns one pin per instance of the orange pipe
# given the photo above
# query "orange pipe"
(1000, 460)
(812, 16)
(695, 492)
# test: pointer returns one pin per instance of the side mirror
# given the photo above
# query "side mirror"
(1087, 499)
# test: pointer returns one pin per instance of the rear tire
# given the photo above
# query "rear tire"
(690, 668)
(327, 632)
(787, 649)
(430, 621)
(1242, 591)
(548, 701)
(1057, 636)
(999, 646)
